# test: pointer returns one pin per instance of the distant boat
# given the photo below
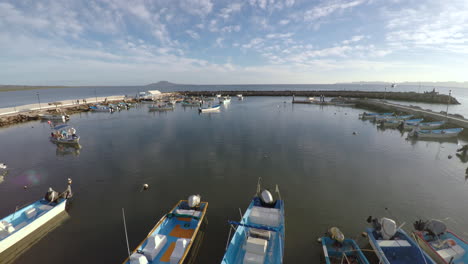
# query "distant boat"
(337, 249)
(391, 122)
(209, 109)
(62, 118)
(240, 97)
(442, 245)
(373, 115)
(260, 235)
(3, 166)
(388, 117)
(191, 103)
(425, 125)
(161, 108)
(436, 133)
(100, 108)
(218, 95)
(29, 218)
(172, 237)
(123, 105)
(392, 245)
(225, 100)
(412, 123)
(64, 134)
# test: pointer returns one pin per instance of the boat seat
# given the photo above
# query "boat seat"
(154, 245)
(6, 228)
(393, 243)
(45, 207)
(30, 213)
(20, 225)
(137, 258)
(260, 233)
(188, 212)
(252, 258)
(256, 245)
(265, 216)
(454, 252)
(179, 250)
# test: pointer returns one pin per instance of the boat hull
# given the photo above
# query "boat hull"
(334, 255)
(70, 141)
(443, 133)
(31, 227)
(423, 243)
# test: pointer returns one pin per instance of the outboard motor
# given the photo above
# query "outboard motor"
(51, 195)
(435, 227)
(386, 227)
(267, 199)
(194, 201)
(336, 234)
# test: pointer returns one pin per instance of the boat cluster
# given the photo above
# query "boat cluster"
(430, 243)
(417, 127)
(204, 104)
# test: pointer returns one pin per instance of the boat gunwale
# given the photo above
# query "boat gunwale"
(189, 246)
(419, 236)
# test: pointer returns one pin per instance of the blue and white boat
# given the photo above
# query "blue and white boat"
(429, 125)
(442, 245)
(172, 237)
(436, 133)
(100, 108)
(64, 134)
(337, 249)
(392, 245)
(28, 219)
(373, 115)
(161, 108)
(391, 122)
(412, 123)
(208, 109)
(225, 100)
(259, 237)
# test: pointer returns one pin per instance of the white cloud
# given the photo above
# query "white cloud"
(256, 42)
(219, 42)
(193, 34)
(329, 7)
(356, 38)
(284, 22)
(232, 8)
(278, 35)
(229, 29)
(197, 7)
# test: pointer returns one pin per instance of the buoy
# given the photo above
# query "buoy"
(145, 186)
(354, 133)
(25, 187)
(364, 234)
(449, 156)
(319, 240)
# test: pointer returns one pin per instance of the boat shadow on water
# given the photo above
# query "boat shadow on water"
(413, 141)
(68, 149)
(11, 255)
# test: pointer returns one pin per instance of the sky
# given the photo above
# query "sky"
(136, 42)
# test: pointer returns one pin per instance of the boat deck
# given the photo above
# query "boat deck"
(174, 227)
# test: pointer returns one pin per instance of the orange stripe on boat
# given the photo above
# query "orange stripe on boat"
(179, 232)
(187, 219)
(166, 257)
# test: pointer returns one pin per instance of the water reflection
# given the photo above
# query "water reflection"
(11, 254)
(68, 149)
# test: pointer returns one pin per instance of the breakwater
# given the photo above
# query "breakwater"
(428, 97)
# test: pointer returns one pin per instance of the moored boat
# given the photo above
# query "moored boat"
(28, 219)
(161, 108)
(260, 235)
(366, 115)
(435, 133)
(225, 100)
(63, 117)
(392, 245)
(172, 237)
(444, 246)
(191, 103)
(426, 125)
(411, 123)
(207, 109)
(64, 134)
(100, 108)
(340, 250)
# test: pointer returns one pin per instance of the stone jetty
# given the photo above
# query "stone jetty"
(427, 97)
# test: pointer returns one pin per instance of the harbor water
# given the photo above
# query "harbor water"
(327, 174)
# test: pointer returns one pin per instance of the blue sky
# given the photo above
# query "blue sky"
(130, 42)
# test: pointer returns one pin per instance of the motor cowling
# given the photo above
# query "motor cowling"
(336, 234)
(267, 198)
(194, 201)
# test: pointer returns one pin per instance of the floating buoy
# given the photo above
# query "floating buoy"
(354, 133)
(364, 234)
(145, 186)
(449, 156)
(25, 187)
(319, 240)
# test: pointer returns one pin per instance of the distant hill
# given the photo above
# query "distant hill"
(431, 84)
(162, 84)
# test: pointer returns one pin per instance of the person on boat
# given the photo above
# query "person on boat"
(52, 134)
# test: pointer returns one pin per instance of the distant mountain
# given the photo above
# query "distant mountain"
(162, 84)
(430, 84)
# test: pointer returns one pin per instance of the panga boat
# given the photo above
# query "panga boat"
(436, 133)
(62, 118)
(172, 237)
(207, 109)
(411, 123)
(64, 134)
(240, 97)
(100, 108)
(3, 166)
(259, 237)
(392, 245)
(441, 244)
(225, 100)
(191, 103)
(161, 107)
(26, 220)
(340, 250)
(426, 125)
(373, 115)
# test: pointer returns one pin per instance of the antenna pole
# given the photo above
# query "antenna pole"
(126, 236)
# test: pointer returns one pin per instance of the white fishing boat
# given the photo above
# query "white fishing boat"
(26, 220)
(218, 95)
(436, 133)
(3, 166)
(100, 108)
(208, 109)
(161, 108)
(64, 134)
(240, 97)
(225, 100)
(62, 117)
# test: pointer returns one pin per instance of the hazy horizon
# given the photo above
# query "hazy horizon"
(118, 42)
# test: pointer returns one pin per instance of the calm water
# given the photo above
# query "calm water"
(327, 175)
